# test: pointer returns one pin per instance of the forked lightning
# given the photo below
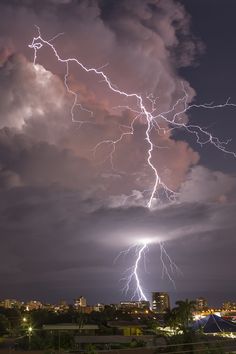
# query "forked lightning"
(160, 122)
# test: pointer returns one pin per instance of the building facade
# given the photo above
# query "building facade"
(201, 304)
(160, 302)
(80, 302)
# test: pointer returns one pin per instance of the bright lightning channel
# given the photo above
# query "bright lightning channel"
(131, 277)
(163, 123)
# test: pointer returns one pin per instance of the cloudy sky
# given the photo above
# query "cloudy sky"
(66, 211)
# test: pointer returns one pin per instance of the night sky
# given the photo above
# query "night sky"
(65, 214)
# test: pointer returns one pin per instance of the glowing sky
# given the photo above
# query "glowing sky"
(65, 214)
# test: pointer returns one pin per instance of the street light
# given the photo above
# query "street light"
(30, 330)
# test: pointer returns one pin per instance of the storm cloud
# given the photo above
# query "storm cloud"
(65, 212)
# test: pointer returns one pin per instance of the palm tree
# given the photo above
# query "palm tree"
(171, 318)
(184, 312)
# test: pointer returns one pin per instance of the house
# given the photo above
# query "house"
(127, 328)
(85, 329)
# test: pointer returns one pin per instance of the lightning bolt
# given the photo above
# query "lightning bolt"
(168, 265)
(131, 274)
(131, 277)
(161, 122)
(173, 118)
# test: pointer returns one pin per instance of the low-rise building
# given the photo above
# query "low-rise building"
(86, 329)
(11, 303)
(127, 328)
(99, 307)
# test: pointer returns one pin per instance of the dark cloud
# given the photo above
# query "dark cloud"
(36, 111)
(24, 162)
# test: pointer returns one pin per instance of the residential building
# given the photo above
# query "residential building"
(201, 304)
(160, 302)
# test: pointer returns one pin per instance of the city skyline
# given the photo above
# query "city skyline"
(156, 300)
(74, 195)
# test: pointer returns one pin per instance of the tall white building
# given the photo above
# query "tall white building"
(80, 302)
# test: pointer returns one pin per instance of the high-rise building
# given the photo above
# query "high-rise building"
(80, 302)
(201, 304)
(160, 302)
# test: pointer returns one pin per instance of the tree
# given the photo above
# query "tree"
(184, 313)
(91, 349)
(171, 318)
(14, 317)
(4, 324)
